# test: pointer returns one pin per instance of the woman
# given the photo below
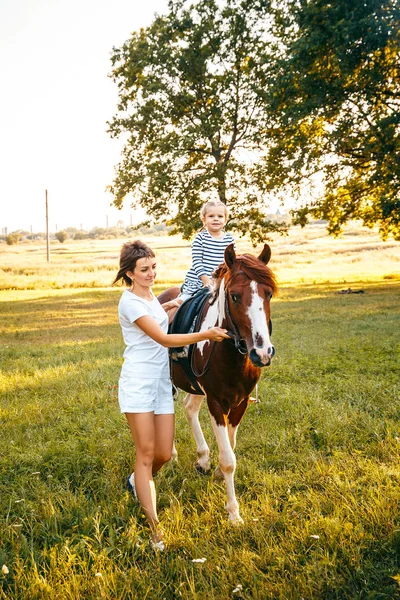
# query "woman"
(145, 389)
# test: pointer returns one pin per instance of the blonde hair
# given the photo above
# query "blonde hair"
(211, 204)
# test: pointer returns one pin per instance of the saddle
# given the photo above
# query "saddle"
(187, 320)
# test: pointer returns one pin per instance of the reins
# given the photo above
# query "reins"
(195, 373)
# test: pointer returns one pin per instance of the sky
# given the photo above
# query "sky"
(55, 100)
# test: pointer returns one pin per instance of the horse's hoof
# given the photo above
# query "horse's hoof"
(236, 520)
(200, 469)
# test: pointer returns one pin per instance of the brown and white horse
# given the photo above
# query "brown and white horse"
(228, 371)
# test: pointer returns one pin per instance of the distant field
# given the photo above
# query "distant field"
(318, 460)
(305, 256)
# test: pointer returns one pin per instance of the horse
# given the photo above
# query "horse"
(227, 372)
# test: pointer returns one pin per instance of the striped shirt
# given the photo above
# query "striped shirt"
(207, 255)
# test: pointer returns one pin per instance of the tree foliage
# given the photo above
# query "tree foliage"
(336, 101)
(248, 99)
(13, 238)
(192, 115)
(61, 236)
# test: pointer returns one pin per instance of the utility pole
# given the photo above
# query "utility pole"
(47, 229)
(106, 221)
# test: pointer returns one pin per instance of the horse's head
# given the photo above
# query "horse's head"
(245, 288)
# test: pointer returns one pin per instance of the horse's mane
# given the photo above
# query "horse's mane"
(251, 266)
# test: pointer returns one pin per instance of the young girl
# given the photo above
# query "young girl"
(208, 248)
(145, 389)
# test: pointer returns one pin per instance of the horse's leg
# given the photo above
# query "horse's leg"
(174, 454)
(192, 405)
(218, 474)
(227, 465)
(232, 431)
(234, 418)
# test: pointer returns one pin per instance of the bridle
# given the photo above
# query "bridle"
(240, 343)
(232, 331)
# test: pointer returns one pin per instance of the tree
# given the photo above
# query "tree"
(13, 238)
(337, 99)
(61, 236)
(192, 116)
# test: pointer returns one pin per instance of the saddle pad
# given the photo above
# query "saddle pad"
(185, 317)
(186, 320)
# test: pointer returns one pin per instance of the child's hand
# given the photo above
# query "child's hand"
(217, 334)
(206, 280)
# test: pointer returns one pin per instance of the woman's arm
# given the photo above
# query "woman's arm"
(173, 340)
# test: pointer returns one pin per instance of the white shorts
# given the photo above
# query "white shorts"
(137, 395)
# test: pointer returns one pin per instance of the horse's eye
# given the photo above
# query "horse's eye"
(235, 297)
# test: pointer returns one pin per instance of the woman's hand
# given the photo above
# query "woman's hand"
(167, 306)
(217, 334)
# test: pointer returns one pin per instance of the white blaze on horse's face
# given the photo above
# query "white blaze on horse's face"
(221, 303)
(259, 325)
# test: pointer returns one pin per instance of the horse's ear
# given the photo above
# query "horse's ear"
(230, 255)
(265, 254)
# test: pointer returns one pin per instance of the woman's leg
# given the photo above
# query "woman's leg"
(153, 438)
(164, 428)
(142, 428)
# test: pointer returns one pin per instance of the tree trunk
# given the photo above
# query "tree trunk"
(220, 174)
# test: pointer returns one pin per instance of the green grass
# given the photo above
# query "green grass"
(318, 476)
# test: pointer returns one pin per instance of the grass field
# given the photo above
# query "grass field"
(304, 256)
(318, 477)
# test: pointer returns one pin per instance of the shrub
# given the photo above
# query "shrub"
(13, 238)
(81, 235)
(61, 236)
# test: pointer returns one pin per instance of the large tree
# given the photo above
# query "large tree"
(192, 115)
(337, 110)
